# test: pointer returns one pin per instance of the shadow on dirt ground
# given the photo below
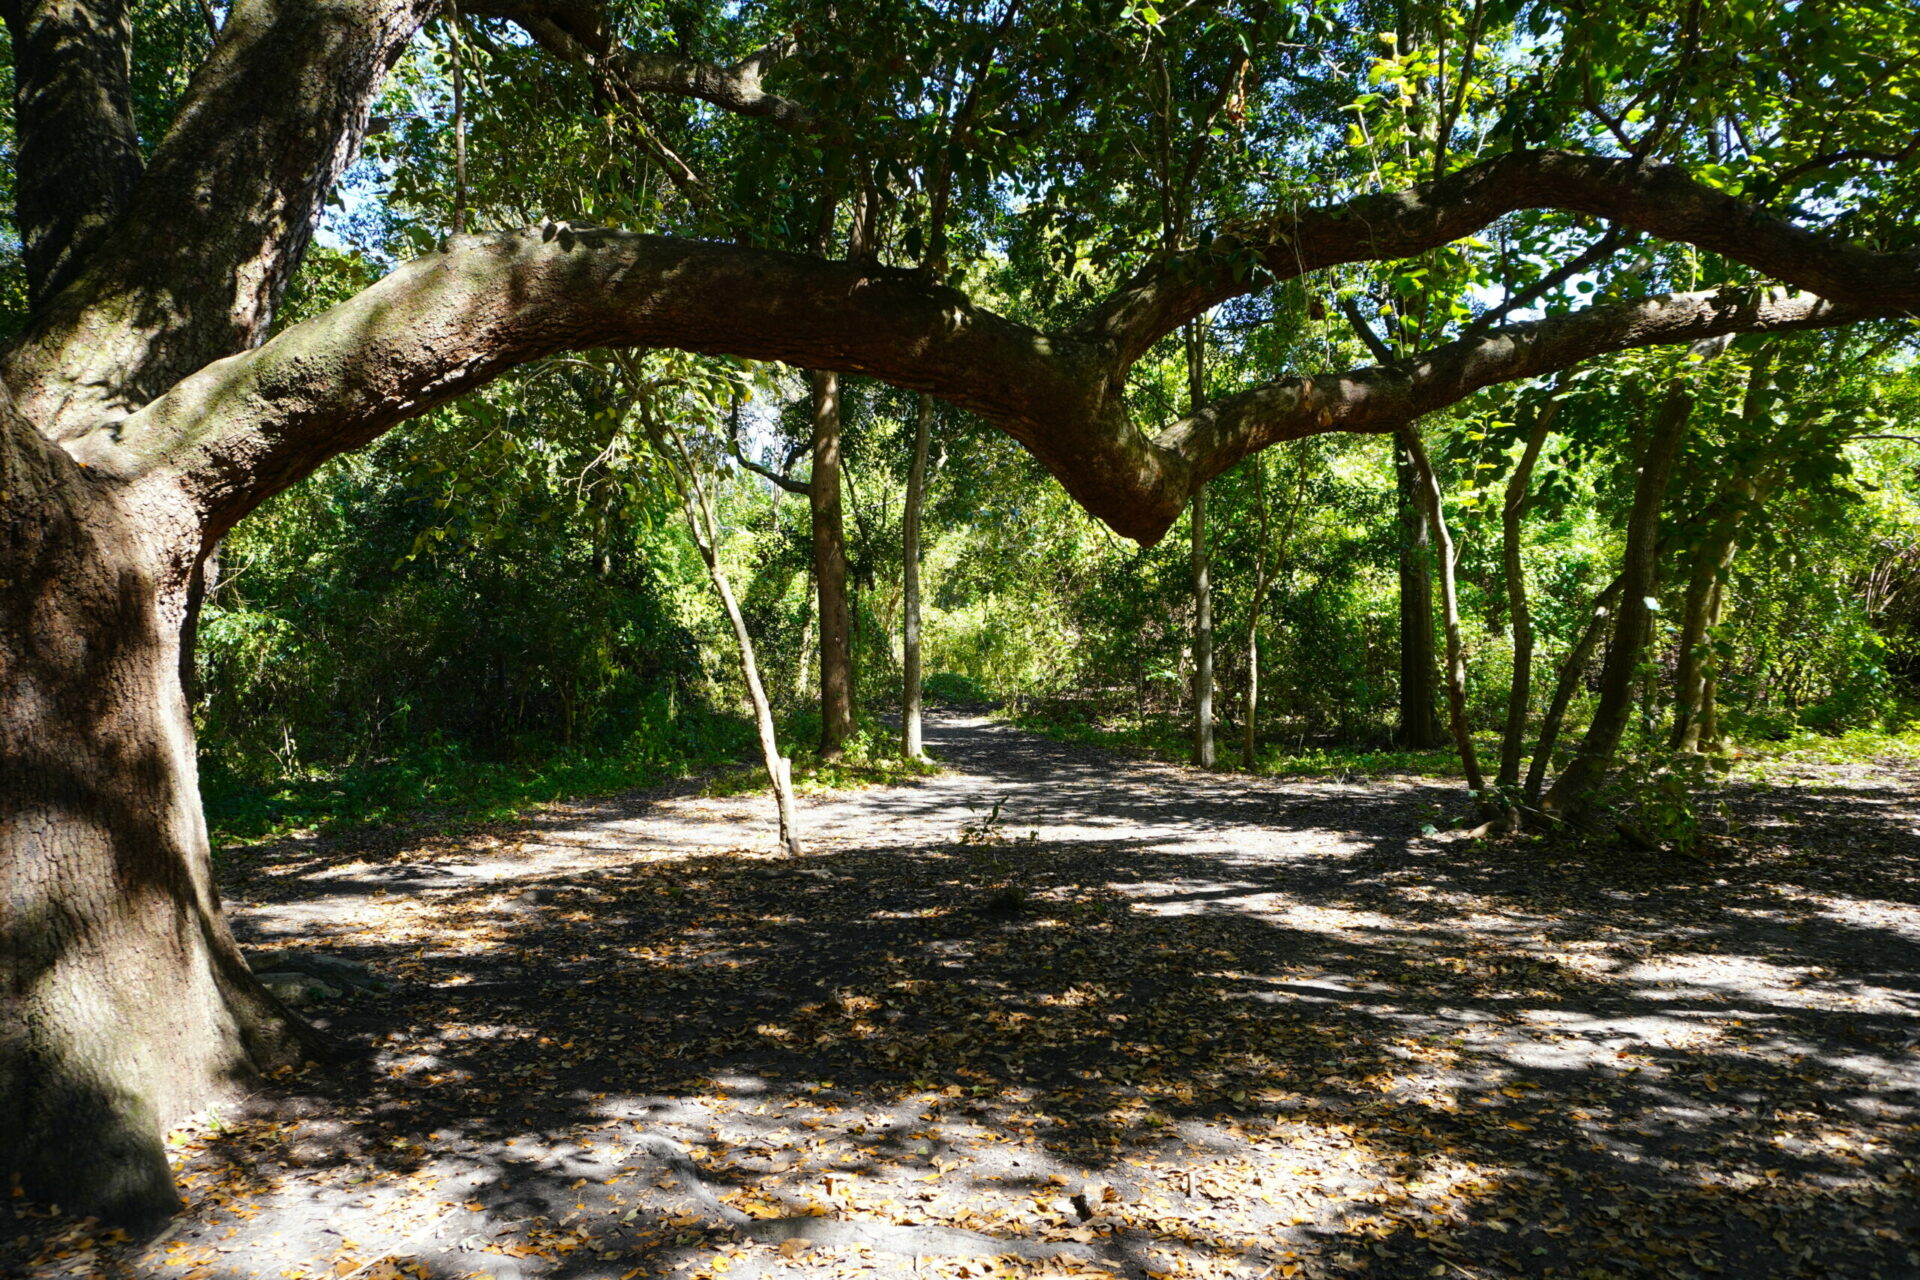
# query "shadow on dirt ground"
(1190, 1025)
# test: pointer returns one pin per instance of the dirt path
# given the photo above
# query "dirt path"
(1140, 1022)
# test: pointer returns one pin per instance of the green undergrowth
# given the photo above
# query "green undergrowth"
(438, 784)
(1163, 737)
(1865, 745)
(872, 759)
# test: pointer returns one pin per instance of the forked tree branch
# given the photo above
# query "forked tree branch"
(193, 266)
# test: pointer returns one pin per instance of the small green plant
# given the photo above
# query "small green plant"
(1663, 800)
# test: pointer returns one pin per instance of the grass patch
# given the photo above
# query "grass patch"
(437, 784)
(872, 759)
(1166, 738)
(1854, 746)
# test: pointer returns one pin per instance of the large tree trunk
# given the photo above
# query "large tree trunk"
(1419, 725)
(128, 1005)
(910, 742)
(830, 570)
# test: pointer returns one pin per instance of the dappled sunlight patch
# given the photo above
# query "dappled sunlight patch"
(1396, 1060)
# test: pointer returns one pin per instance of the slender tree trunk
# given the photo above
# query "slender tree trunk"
(804, 665)
(1695, 663)
(910, 741)
(1708, 737)
(1564, 685)
(1456, 671)
(1513, 737)
(705, 529)
(127, 1004)
(1202, 584)
(1268, 564)
(1202, 638)
(458, 72)
(830, 570)
(1250, 732)
(1419, 725)
(1573, 791)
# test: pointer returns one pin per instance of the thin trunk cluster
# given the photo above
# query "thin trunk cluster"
(1269, 561)
(1574, 790)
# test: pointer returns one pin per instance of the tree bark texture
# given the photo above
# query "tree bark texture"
(910, 739)
(830, 570)
(1573, 791)
(127, 1004)
(1419, 720)
(73, 111)
(1203, 753)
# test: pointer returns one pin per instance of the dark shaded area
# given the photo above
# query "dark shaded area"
(1389, 1055)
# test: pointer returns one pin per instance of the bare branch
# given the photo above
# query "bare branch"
(779, 478)
(1350, 308)
(1595, 254)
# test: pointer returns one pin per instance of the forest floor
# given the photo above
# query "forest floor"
(1059, 1012)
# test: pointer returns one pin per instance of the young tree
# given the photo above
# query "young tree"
(144, 413)
(691, 475)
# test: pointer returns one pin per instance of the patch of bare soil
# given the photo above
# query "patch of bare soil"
(1055, 1012)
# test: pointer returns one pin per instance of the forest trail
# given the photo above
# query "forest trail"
(1143, 1022)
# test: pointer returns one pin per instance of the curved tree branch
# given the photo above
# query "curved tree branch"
(1385, 397)
(1659, 200)
(252, 424)
(779, 478)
